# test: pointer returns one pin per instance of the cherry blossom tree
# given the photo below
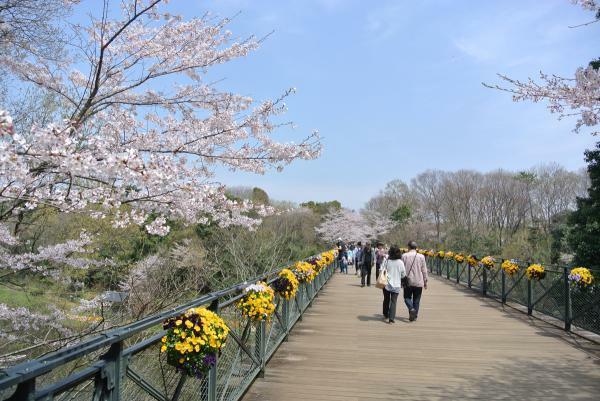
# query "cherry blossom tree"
(577, 96)
(139, 132)
(352, 226)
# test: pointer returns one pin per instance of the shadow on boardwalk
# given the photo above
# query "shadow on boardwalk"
(462, 347)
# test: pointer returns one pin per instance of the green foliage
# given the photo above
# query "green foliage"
(322, 208)
(259, 196)
(401, 214)
(527, 177)
(584, 223)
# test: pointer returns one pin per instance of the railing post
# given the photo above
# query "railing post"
(25, 391)
(285, 317)
(529, 298)
(503, 273)
(300, 299)
(260, 346)
(108, 381)
(457, 272)
(447, 269)
(469, 279)
(568, 311)
(484, 281)
(212, 374)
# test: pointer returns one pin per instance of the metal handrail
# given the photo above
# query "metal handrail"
(556, 289)
(110, 369)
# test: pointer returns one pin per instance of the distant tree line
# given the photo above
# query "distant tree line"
(521, 214)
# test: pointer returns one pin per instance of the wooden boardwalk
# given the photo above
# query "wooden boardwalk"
(462, 347)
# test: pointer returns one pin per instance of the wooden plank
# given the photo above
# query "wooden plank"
(462, 347)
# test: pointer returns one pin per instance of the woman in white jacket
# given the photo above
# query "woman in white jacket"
(395, 271)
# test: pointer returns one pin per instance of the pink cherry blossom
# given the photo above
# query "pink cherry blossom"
(577, 96)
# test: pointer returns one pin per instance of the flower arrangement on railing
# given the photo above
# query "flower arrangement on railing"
(328, 257)
(193, 340)
(535, 272)
(286, 284)
(321, 261)
(440, 254)
(403, 250)
(459, 258)
(510, 267)
(430, 253)
(488, 261)
(472, 261)
(257, 304)
(581, 277)
(316, 263)
(304, 271)
(422, 251)
(450, 255)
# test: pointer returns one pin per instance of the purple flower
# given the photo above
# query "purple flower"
(209, 360)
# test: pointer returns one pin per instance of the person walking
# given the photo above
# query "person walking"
(416, 273)
(344, 260)
(357, 256)
(367, 262)
(380, 255)
(350, 255)
(394, 267)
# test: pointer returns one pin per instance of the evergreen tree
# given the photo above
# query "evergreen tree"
(584, 223)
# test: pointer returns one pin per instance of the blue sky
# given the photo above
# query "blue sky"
(395, 87)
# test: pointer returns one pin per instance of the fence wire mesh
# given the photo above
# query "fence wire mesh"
(145, 374)
(550, 295)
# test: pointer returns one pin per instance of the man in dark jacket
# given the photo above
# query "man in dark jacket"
(367, 261)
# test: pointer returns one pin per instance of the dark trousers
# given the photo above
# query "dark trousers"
(412, 297)
(377, 269)
(389, 304)
(366, 274)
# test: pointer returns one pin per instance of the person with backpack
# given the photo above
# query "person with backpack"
(415, 281)
(367, 261)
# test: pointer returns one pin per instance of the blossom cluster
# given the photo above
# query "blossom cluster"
(581, 277)
(449, 255)
(510, 267)
(535, 272)
(125, 143)
(459, 258)
(577, 96)
(193, 340)
(286, 284)
(352, 226)
(258, 302)
(591, 5)
(27, 324)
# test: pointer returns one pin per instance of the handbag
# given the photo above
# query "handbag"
(382, 280)
(404, 281)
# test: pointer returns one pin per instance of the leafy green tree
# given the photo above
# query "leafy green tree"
(401, 214)
(260, 196)
(584, 223)
(322, 208)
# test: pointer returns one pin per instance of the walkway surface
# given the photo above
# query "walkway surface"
(462, 347)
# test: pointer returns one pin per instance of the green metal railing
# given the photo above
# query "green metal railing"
(552, 296)
(126, 363)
